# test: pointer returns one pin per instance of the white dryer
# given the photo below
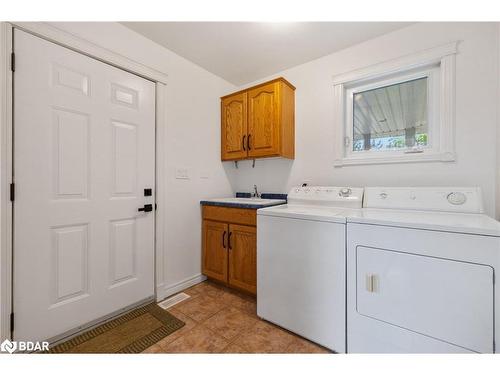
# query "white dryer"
(301, 263)
(421, 265)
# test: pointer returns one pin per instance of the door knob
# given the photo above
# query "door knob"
(146, 208)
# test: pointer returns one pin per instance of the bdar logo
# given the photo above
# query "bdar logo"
(8, 346)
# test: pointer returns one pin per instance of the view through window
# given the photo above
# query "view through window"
(392, 117)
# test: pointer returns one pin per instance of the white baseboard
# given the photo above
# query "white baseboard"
(164, 291)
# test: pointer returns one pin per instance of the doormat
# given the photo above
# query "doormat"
(132, 332)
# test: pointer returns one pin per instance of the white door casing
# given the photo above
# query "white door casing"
(84, 150)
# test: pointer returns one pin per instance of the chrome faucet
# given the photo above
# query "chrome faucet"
(256, 193)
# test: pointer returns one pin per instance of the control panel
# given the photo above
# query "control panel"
(327, 195)
(452, 199)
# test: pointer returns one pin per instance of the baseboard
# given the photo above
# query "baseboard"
(163, 292)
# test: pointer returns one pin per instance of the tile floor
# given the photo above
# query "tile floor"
(220, 320)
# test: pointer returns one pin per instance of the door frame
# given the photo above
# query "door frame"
(105, 55)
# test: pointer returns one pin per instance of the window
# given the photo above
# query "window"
(401, 111)
(391, 117)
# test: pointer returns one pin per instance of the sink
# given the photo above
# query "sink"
(249, 201)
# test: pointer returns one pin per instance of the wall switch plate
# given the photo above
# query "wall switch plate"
(182, 173)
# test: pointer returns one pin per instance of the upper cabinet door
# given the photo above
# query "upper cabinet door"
(264, 121)
(259, 122)
(234, 127)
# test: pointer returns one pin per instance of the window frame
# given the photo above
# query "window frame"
(438, 65)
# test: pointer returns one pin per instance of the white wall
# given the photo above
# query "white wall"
(476, 102)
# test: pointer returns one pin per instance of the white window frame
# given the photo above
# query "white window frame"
(438, 65)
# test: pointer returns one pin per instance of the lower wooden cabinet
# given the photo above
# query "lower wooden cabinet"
(230, 252)
(215, 250)
(243, 257)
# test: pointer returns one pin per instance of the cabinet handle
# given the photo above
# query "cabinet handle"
(243, 142)
(248, 142)
(224, 240)
(229, 240)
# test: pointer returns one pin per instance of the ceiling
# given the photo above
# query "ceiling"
(242, 52)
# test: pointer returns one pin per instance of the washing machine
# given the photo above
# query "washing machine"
(301, 263)
(422, 265)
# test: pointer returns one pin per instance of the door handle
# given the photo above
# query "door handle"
(248, 142)
(224, 240)
(371, 283)
(229, 240)
(243, 142)
(146, 208)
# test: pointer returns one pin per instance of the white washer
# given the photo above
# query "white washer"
(301, 263)
(421, 265)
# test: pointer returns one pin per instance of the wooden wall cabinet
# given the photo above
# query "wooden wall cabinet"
(229, 243)
(259, 122)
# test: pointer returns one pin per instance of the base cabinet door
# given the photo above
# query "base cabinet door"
(215, 245)
(243, 257)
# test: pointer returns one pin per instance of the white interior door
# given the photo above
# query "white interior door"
(84, 151)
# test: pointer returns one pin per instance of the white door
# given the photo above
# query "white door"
(84, 151)
(443, 299)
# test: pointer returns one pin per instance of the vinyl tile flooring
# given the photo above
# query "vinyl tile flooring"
(220, 320)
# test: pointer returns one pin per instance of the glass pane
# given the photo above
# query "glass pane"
(392, 117)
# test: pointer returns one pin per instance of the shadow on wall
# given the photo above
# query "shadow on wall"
(270, 175)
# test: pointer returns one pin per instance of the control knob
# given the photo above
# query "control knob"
(457, 198)
(345, 192)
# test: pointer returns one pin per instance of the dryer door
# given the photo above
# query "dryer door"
(444, 299)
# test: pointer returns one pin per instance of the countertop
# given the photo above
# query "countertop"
(252, 203)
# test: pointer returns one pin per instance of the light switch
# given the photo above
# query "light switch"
(182, 173)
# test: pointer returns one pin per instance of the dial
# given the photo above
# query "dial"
(345, 192)
(456, 198)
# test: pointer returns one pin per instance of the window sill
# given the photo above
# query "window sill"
(393, 159)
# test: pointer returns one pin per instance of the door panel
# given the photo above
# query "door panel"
(84, 151)
(234, 127)
(263, 120)
(448, 300)
(243, 257)
(215, 237)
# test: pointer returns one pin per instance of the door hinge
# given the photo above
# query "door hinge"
(12, 192)
(11, 322)
(13, 61)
